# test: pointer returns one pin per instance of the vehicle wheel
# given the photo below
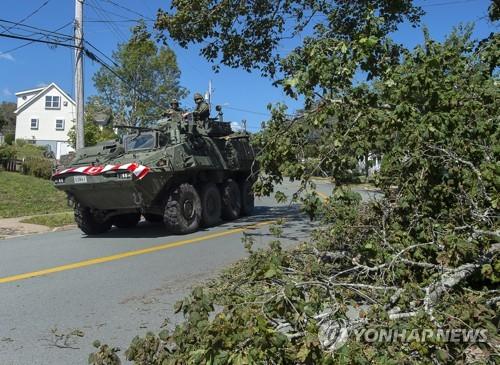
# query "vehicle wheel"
(247, 198)
(153, 218)
(183, 210)
(87, 222)
(210, 205)
(231, 200)
(129, 220)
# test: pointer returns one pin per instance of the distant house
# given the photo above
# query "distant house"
(44, 116)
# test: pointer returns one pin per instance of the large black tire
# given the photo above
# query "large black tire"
(129, 220)
(211, 205)
(231, 200)
(183, 210)
(153, 218)
(247, 198)
(86, 221)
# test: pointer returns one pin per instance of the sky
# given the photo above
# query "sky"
(243, 95)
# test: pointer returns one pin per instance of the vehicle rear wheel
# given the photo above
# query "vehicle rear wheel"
(88, 223)
(231, 200)
(210, 205)
(153, 218)
(247, 198)
(183, 210)
(129, 220)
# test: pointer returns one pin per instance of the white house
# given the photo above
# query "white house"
(44, 116)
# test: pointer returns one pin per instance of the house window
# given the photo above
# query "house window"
(34, 123)
(59, 124)
(52, 102)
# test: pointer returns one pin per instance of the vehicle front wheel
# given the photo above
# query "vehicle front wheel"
(210, 205)
(183, 210)
(231, 200)
(127, 220)
(88, 222)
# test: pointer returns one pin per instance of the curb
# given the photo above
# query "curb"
(67, 227)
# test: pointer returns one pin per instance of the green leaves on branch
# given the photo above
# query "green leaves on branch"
(144, 80)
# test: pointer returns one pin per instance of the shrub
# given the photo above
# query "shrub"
(9, 138)
(38, 167)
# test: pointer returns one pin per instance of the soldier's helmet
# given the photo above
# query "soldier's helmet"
(198, 97)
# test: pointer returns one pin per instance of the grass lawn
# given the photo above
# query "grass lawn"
(52, 220)
(22, 195)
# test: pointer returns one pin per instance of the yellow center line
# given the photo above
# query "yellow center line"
(123, 255)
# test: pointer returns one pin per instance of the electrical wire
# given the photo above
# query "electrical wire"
(31, 42)
(129, 10)
(103, 14)
(29, 16)
(92, 56)
(37, 29)
(118, 21)
(37, 40)
(446, 3)
(95, 7)
(102, 53)
(247, 111)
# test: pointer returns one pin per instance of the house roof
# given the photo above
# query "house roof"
(41, 92)
(30, 91)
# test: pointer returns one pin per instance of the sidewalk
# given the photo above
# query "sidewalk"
(13, 227)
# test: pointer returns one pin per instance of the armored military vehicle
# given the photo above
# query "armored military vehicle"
(183, 173)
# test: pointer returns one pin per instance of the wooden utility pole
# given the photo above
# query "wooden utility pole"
(80, 141)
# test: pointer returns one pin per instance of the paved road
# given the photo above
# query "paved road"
(60, 291)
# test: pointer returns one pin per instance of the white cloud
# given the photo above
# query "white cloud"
(6, 56)
(6, 92)
(41, 84)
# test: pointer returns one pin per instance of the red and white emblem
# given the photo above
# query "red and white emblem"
(138, 170)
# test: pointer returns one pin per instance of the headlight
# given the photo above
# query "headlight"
(59, 180)
(124, 175)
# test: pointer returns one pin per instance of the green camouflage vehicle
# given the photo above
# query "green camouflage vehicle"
(185, 174)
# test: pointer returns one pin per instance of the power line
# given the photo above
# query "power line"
(446, 3)
(128, 9)
(37, 40)
(95, 58)
(118, 21)
(102, 53)
(101, 13)
(39, 30)
(30, 15)
(95, 7)
(31, 42)
(246, 111)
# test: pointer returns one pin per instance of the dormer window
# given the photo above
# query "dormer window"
(52, 102)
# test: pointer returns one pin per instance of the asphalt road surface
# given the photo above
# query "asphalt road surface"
(61, 291)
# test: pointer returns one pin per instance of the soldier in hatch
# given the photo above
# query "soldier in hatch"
(202, 110)
(174, 108)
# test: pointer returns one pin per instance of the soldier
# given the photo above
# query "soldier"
(174, 108)
(202, 111)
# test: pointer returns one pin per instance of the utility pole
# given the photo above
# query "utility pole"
(80, 141)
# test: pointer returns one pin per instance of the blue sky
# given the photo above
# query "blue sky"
(245, 95)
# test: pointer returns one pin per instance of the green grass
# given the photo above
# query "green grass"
(22, 195)
(52, 220)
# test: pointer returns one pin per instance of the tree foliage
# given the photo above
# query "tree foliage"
(142, 82)
(7, 118)
(93, 133)
(247, 34)
(424, 255)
